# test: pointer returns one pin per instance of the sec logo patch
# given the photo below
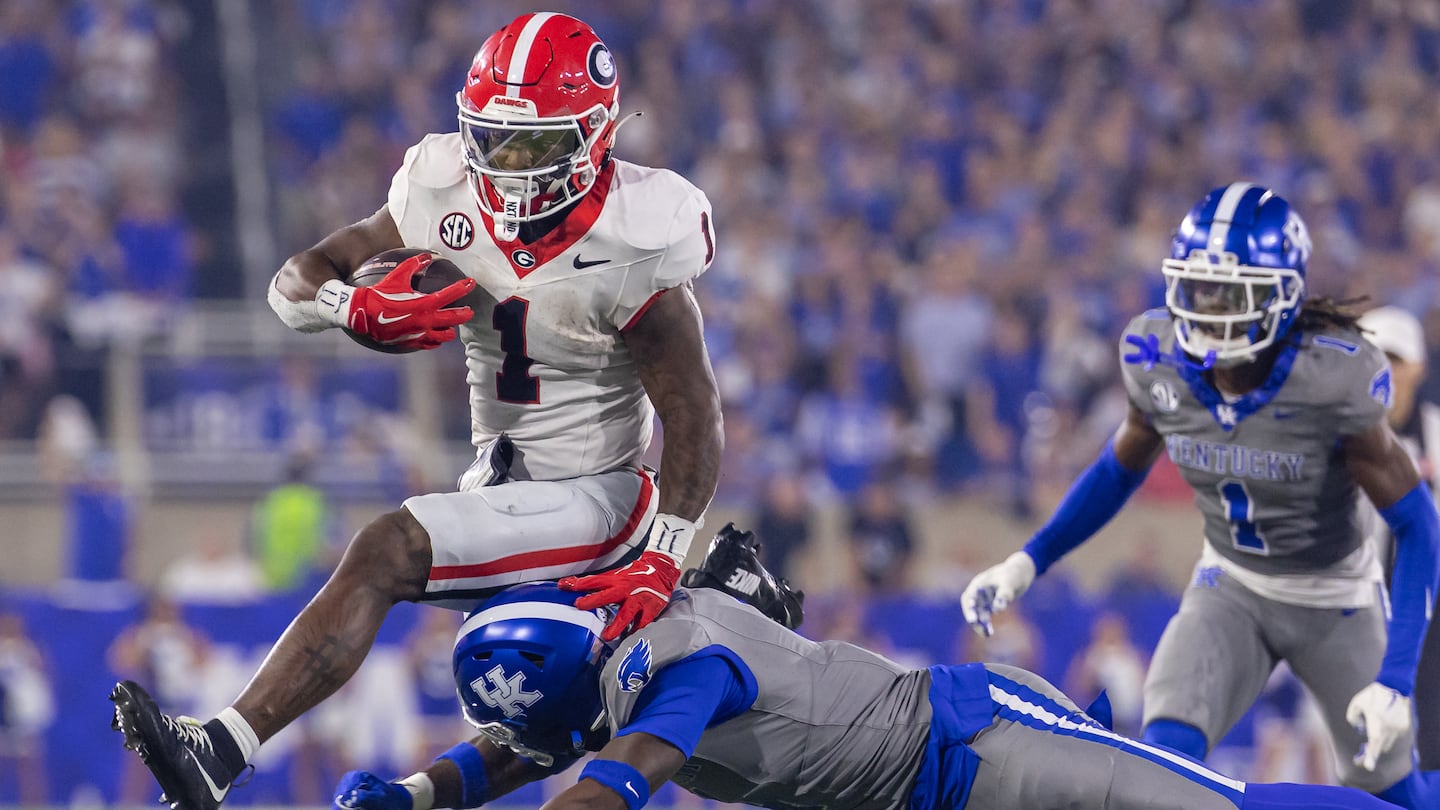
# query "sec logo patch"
(457, 231)
(1165, 397)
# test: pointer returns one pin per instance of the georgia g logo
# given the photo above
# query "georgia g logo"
(600, 65)
(507, 693)
(634, 670)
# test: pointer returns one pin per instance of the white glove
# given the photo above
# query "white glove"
(992, 590)
(1382, 716)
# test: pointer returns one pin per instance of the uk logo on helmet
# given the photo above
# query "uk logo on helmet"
(505, 693)
(634, 670)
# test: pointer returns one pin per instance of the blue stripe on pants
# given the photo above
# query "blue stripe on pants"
(1021, 704)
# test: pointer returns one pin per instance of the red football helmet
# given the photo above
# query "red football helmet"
(537, 117)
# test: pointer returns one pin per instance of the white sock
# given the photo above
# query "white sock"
(240, 731)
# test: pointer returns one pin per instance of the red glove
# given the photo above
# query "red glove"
(641, 589)
(392, 312)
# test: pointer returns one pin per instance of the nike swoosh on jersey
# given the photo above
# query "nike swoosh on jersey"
(632, 789)
(384, 320)
(581, 264)
(216, 792)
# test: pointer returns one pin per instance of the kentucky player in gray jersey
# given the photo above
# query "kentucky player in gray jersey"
(733, 707)
(1274, 411)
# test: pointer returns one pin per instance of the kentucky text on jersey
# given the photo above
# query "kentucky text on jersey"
(1233, 459)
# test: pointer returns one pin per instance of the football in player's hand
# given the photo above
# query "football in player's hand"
(436, 276)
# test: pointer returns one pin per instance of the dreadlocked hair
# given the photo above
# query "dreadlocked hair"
(1319, 313)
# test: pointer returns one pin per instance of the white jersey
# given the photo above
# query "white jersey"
(547, 363)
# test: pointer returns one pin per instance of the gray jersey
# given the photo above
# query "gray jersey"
(1268, 473)
(832, 725)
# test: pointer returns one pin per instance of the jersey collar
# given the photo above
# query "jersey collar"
(574, 224)
(1230, 414)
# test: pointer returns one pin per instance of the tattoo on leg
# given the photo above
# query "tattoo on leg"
(324, 646)
(325, 668)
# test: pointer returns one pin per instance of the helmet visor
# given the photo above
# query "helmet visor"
(1244, 299)
(515, 150)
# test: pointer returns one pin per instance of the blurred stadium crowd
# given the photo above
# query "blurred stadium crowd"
(934, 218)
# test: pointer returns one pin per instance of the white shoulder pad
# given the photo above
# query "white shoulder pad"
(686, 239)
(435, 162)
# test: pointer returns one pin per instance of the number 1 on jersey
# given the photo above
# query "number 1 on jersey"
(1240, 511)
(514, 382)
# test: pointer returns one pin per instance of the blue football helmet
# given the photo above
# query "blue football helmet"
(1235, 279)
(527, 667)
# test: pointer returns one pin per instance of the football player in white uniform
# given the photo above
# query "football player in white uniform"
(582, 315)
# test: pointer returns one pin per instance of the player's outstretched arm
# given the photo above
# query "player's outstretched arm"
(1384, 470)
(623, 775)
(1094, 498)
(468, 775)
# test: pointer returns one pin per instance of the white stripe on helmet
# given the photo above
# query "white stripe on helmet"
(533, 610)
(515, 72)
(1224, 214)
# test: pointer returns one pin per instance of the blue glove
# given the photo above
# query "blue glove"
(362, 790)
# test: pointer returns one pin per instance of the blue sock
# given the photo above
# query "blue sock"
(1286, 796)
(1182, 738)
(1417, 791)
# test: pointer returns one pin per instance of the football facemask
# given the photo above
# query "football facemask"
(1235, 277)
(537, 117)
(1227, 308)
(525, 170)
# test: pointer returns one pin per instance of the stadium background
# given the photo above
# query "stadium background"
(934, 217)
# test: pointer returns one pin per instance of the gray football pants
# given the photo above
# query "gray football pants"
(1042, 753)
(1219, 649)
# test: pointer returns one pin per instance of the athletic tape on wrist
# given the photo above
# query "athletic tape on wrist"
(671, 535)
(620, 777)
(332, 301)
(474, 784)
(422, 790)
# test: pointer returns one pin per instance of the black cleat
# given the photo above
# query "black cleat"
(178, 751)
(732, 564)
